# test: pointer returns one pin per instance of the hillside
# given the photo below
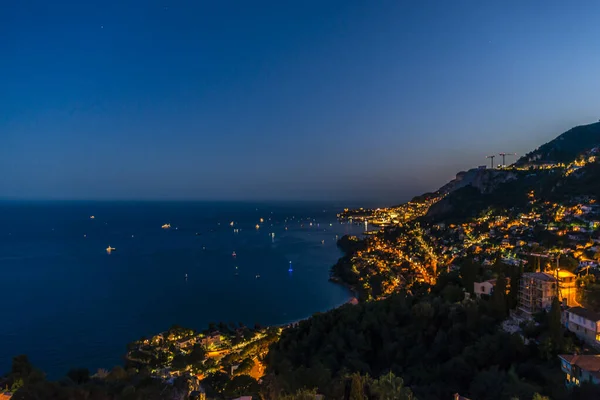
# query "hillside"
(558, 170)
(490, 189)
(566, 147)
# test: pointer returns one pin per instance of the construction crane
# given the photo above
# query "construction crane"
(504, 157)
(492, 157)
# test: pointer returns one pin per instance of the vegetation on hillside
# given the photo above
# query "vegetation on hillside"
(565, 147)
(437, 342)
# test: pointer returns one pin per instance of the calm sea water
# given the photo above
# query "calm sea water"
(67, 303)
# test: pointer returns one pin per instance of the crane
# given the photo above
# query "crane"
(492, 157)
(504, 157)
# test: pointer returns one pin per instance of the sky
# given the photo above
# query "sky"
(283, 100)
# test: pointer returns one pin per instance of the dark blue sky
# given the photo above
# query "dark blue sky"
(376, 100)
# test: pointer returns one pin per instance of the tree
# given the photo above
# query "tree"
(303, 394)
(245, 367)
(197, 355)
(515, 282)
(117, 374)
(499, 297)
(21, 366)
(488, 384)
(242, 385)
(17, 384)
(357, 389)
(468, 273)
(79, 375)
(453, 293)
(390, 387)
(554, 325)
(179, 362)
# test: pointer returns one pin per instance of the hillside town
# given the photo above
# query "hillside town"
(228, 350)
(543, 249)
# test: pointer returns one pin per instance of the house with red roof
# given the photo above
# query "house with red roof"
(580, 368)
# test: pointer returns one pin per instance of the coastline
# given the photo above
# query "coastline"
(352, 300)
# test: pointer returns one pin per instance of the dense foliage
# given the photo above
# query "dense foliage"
(28, 383)
(438, 344)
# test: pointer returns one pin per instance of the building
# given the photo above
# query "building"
(213, 339)
(584, 323)
(580, 368)
(536, 291)
(567, 287)
(185, 342)
(485, 287)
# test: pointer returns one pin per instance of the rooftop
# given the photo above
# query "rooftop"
(562, 273)
(589, 363)
(585, 313)
(540, 276)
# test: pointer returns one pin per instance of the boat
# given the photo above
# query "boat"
(290, 269)
(257, 276)
(166, 226)
(233, 254)
(257, 226)
(109, 249)
(92, 217)
(186, 276)
(231, 223)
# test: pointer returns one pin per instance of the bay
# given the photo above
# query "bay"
(68, 303)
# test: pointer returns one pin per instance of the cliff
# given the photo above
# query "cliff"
(485, 180)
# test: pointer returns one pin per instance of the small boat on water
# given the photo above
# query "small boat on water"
(257, 276)
(233, 254)
(110, 249)
(92, 217)
(186, 277)
(166, 226)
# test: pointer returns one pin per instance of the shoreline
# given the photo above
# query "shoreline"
(352, 300)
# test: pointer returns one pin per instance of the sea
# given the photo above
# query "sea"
(67, 302)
